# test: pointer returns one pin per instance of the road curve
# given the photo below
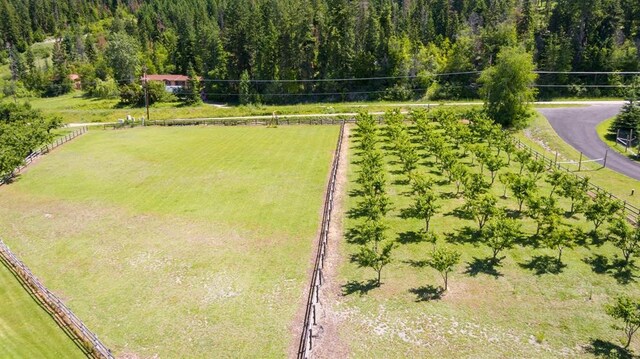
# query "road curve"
(577, 127)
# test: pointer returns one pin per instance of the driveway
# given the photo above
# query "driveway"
(577, 127)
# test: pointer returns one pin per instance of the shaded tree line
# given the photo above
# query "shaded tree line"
(403, 45)
(22, 130)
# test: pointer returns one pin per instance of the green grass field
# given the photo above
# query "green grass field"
(514, 310)
(26, 329)
(75, 108)
(177, 241)
(603, 132)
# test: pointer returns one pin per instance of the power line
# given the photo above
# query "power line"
(581, 85)
(349, 92)
(380, 78)
(353, 79)
(588, 72)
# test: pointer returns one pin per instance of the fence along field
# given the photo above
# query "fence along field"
(310, 323)
(524, 302)
(209, 259)
(632, 212)
(306, 340)
(63, 316)
(43, 151)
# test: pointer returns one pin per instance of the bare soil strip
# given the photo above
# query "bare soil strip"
(328, 344)
(327, 327)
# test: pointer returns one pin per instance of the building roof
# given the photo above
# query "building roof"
(168, 77)
(74, 77)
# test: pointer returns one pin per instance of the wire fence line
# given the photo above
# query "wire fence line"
(254, 121)
(310, 324)
(42, 151)
(630, 211)
(92, 346)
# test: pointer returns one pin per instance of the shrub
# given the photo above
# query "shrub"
(105, 89)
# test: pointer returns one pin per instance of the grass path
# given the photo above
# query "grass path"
(26, 329)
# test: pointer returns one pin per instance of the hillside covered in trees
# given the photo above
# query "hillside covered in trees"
(308, 50)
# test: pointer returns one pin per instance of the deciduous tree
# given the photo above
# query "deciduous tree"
(601, 209)
(481, 208)
(444, 261)
(425, 206)
(625, 237)
(627, 310)
(501, 233)
(506, 87)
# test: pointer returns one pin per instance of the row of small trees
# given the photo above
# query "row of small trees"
(448, 140)
(450, 143)
(374, 248)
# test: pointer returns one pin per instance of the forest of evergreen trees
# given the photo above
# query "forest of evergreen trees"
(310, 50)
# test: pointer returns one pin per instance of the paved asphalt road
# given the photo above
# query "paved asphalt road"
(577, 126)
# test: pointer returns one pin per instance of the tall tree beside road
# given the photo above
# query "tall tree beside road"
(506, 88)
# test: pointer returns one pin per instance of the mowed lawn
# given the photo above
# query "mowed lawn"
(26, 329)
(177, 242)
(513, 310)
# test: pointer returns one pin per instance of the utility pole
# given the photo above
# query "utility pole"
(146, 94)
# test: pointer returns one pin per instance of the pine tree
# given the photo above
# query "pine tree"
(194, 88)
(628, 120)
(245, 88)
(337, 49)
(60, 83)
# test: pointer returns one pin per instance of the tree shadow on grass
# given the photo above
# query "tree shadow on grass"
(12, 179)
(409, 237)
(352, 236)
(544, 265)
(359, 287)
(625, 276)
(617, 268)
(416, 264)
(449, 195)
(532, 241)
(427, 293)
(599, 263)
(605, 349)
(465, 235)
(597, 238)
(459, 213)
(359, 211)
(401, 181)
(483, 265)
(513, 213)
(356, 193)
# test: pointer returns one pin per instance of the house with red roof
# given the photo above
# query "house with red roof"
(172, 83)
